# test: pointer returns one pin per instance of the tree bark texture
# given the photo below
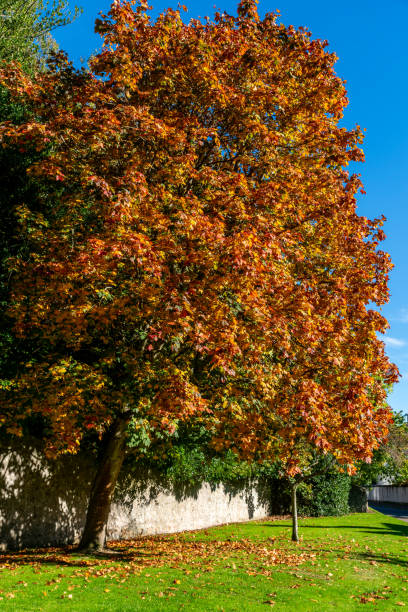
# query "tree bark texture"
(295, 531)
(94, 534)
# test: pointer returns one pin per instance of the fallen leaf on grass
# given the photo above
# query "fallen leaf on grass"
(163, 551)
(371, 597)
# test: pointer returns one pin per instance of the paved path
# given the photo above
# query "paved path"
(399, 511)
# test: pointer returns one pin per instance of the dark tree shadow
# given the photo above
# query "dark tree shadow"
(41, 502)
(386, 528)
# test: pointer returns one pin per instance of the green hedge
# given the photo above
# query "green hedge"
(327, 495)
(324, 495)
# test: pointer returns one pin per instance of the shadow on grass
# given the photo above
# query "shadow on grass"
(69, 557)
(384, 529)
(378, 559)
(369, 557)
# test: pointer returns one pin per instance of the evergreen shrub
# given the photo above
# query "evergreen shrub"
(323, 495)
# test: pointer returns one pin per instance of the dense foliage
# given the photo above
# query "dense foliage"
(323, 491)
(195, 254)
(326, 495)
(15, 187)
(25, 29)
(199, 248)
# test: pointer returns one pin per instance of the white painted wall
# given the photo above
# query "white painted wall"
(167, 512)
(43, 503)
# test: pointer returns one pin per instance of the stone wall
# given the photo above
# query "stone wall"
(388, 493)
(44, 503)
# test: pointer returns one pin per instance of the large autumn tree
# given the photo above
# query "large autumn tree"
(198, 252)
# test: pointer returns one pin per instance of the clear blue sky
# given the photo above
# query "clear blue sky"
(370, 38)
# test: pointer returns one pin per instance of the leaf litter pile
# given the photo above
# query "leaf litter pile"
(132, 556)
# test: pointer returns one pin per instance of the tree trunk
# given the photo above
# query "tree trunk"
(94, 534)
(295, 533)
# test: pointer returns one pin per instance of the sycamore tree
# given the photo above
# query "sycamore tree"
(196, 252)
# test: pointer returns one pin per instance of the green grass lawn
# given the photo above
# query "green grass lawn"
(344, 563)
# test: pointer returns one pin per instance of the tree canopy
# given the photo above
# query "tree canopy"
(196, 251)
